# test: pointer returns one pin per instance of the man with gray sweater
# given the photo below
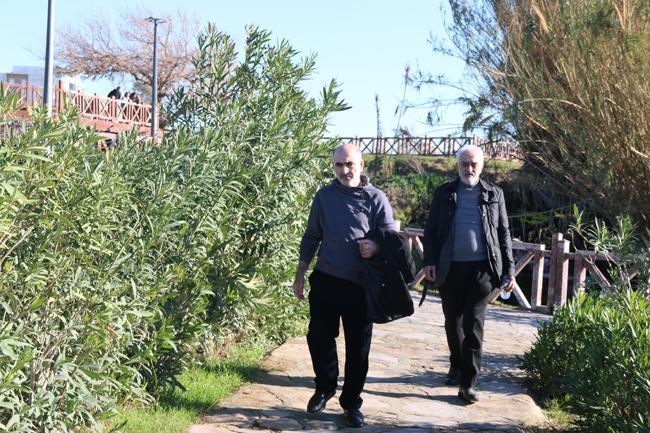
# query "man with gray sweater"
(467, 253)
(341, 215)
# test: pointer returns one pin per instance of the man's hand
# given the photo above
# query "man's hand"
(430, 272)
(299, 287)
(367, 248)
(299, 281)
(508, 283)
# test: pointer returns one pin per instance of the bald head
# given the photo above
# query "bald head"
(347, 149)
(348, 164)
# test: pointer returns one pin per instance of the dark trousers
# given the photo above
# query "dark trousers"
(465, 294)
(330, 300)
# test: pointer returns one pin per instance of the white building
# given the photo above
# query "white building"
(34, 75)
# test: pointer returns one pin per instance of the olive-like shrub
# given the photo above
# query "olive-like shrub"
(116, 265)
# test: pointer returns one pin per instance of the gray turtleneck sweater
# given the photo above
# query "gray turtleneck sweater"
(340, 216)
(469, 240)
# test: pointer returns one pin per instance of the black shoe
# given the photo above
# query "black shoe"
(354, 417)
(468, 394)
(318, 401)
(453, 376)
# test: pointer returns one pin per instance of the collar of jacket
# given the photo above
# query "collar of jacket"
(487, 189)
(354, 190)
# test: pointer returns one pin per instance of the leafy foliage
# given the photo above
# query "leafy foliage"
(115, 265)
(270, 134)
(594, 355)
(411, 196)
(206, 385)
(568, 80)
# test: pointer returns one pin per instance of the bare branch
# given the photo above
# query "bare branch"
(100, 48)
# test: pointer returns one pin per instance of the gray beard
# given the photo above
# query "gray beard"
(471, 184)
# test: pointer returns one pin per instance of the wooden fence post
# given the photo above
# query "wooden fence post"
(58, 97)
(563, 269)
(552, 274)
(579, 274)
(538, 279)
(559, 272)
(28, 101)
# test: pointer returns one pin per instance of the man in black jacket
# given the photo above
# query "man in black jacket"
(467, 253)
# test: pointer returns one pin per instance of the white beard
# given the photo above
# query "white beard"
(473, 183)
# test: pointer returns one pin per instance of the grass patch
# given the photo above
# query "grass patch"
(206, 386)
(559, 417)
(559, 420)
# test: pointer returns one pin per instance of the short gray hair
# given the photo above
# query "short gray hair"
(467, 147)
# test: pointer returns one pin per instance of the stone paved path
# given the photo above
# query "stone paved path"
(404, 392)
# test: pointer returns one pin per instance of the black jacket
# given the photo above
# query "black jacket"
(387, 276)
(495, 227)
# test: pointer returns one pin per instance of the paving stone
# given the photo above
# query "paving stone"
(229, 418)
(250, 430)
(404, 392)
(320, 425)
(382, 357)
(208, 428)
(277, 423)
(411, 430)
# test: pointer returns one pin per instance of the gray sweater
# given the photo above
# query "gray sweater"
(340, 216)
(469, 240)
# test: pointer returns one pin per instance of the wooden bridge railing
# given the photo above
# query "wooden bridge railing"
(107, 114)
(558, 274)
(433, 146)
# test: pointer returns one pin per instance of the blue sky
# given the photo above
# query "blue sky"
(365, 45)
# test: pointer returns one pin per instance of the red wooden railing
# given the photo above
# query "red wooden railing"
(106, 114)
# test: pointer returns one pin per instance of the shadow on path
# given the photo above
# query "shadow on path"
(283, 419)
(405, 388)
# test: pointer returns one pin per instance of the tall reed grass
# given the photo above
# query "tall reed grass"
(568, 79)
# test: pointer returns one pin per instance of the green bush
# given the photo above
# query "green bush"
(115, 265)
(411, 196)
(269, 133)
(594, 356)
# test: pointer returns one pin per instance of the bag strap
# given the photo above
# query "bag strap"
(424, 294)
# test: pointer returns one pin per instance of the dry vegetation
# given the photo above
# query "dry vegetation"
(99, 47)
(569, 81)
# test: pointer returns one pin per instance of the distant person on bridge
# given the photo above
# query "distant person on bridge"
(342, 213)
(135, 98)
(467, 253)
(115, 93)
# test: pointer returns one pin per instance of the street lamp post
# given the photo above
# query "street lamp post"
(49, 64)
(154, 81)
